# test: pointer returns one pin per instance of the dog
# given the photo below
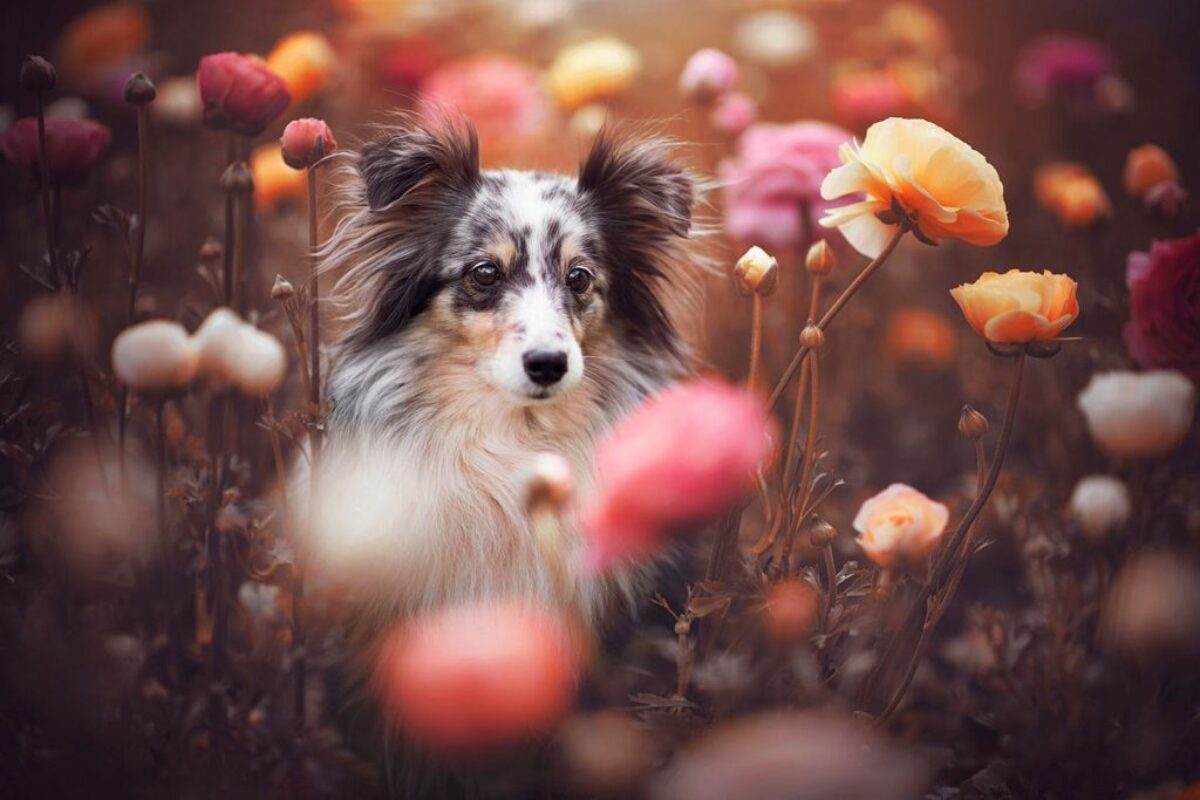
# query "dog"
(487, 316)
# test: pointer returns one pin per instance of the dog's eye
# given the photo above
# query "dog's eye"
(485, 273)
(579, 280)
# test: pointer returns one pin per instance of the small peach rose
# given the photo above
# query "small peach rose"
(1072, 193)
(900, 523)
(948, 189)
(1146, 167)
(1018, 306)
(593, 70)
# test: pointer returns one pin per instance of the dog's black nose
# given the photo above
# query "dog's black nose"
(545, 367)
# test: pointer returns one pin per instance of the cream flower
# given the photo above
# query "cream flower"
(1018, 306)
(592, 70)
(900, 523)
(235, 352)
(1138, 414)
(948, 189)
(757, 270)
(154, 356)
(1099, 504)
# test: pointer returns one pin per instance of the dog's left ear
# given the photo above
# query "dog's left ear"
(636, 187)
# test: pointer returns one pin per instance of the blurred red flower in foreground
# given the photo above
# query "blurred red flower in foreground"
(72, 147)
(678, 459)
(463, 679)
(1164, 302)
(305, 142)
(502, 95)
(776, 175)
(240, 92)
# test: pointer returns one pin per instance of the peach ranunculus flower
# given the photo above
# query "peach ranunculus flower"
(947, 189)
(1018, 306)
(900, 523)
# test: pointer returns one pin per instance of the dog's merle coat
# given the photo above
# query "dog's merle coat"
(451, 277)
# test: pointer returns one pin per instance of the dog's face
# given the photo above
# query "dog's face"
(517, 275)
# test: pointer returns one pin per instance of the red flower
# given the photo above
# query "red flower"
(467, 678)
(72, 147)
(1164, 298)
(305, 142)
(677, 460)
(240, 92)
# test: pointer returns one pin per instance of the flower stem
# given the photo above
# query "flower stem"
(227, 252)
(44, 174)
(160, 430)
(789, 469)
(755, 340)
(810, 446)
(834, 310)
(135, 269)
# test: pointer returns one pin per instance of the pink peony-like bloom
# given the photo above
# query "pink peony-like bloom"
(240, 92)
(502, 95)
(709, 73)
(306, 141)
(776, 173)
(676, 460)
(72, 147)
(1164, 299)
(733, 112)
(468, 678)
(862, 98)
(1070, 67)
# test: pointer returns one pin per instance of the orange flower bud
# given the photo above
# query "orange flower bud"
(820, 259)
(1146, 167)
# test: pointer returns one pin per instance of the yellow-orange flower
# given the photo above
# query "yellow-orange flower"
(1072, 192)
(900, 523)
(592, 70)
(305, 60)
(274, 180)
(946, 188)
(918, 334)
(1146, 167)
(1018, 306)
(101, 38)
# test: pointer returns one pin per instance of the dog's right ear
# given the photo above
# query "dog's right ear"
(443, 152)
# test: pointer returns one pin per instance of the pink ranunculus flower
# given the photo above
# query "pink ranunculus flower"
(776, 173)
(678, 459)
(733, 112)
(1063, 66)
(240, 92)
(708, 74)
(1164, 298)
(72, 147)
(306, 141)
(501, 94)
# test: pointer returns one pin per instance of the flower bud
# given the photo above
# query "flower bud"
(211, 251)
(140, 90)
(282, 289)
(1099, 504)
(154, 356)
(791, 607)
(305, 142)
(683, 626)
(37, 75)
(237, 178)
(758, 271)
(551, 483)
(821, 533)
(971, 423)
(820, 259)
(812, 336)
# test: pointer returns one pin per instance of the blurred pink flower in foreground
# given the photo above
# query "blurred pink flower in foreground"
(733, 112)
(707, 74)
(676, 460)
(502, 95)
(472, 677)
(1069, 67)
(306, 141)
(1164, 304)
(240, 92)
(72, 147)
(775, 176)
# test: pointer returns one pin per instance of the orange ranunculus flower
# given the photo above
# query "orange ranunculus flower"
(102, 38)
(1146, 167)
(274, 180)
(592, 70)
(948, 189)
(305, 60)
(918, 334)
(1018, 306)
(1072, 192)
(900, 523)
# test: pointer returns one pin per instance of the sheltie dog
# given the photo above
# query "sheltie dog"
(487, 316)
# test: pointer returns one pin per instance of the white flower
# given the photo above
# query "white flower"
(1138, 414)
(234, 352)
(775, 38)
(1099, 504)
(154, 356)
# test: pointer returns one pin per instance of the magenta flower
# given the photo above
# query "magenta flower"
(240, 92)
(73, 146)
(1063, 66)
(678, 459)
(708, 74)
(1164, 302)
(775, 177)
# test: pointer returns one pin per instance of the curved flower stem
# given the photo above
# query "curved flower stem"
(810, 446)
(948, 569)
(830, 585)
(833, 311)
(789, 468)
(755, 340)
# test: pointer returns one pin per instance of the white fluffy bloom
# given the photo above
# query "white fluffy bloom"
(234, 352)
(1138, 414)
(154, 356)
(1099, 504)
(775, 38)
